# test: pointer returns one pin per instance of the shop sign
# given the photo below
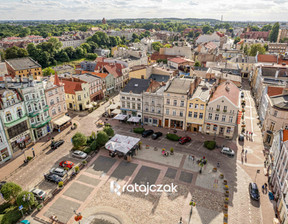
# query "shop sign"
(20, 138)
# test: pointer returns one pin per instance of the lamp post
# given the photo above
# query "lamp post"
(78, 216)
(192, 204)
(258, 171)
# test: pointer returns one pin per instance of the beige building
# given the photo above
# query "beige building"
(175, 102)
(222, 111)
(245, 63)
(283, 33)
(138, 72)
(196, 107)
(278, 48)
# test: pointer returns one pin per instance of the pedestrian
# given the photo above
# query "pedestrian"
(251, 134)
(193, 158)
(246, 151)
(246, 133)
(263, 187)
(218, 164)
(243, 151)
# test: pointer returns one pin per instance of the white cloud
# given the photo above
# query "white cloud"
(96, 9)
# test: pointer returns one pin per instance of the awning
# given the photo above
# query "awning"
(120, 117)
(116, 111)
(121, 143)
(134, 119)
(62, 120)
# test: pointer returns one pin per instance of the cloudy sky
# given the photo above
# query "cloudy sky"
(243, 10)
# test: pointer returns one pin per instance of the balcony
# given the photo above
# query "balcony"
(45, 108)
(33, 114)
(15, 121)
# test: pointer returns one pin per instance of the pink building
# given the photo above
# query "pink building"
(55, 96)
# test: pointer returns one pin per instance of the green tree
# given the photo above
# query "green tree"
(274, 32)
(91, 56)
(80, 52)
(167, 45)
(206, 28)
(102, 138)
(267, 27)
(246, 49)
(109, 131)
(26, 203)
(70, 51)
(197, 64)
(256, 48)
(191, 34)
(55, 43)
(236, 40)
(87, 47)
(43, 58)
(15, 52)
(10, 191)
(48, 71)
(62, 56)
(156, 46)
(79, 140)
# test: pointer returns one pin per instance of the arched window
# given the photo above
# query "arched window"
(8, 117)
(52, 102)
(19, 112)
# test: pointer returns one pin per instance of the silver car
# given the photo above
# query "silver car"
(39, 194)
(58, 171)
(227, 151)
(79, 154)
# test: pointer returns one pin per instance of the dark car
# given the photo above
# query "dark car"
(157, 135)
(53, 178)
(147, 133)
(242, 94)
(55, 145)
(185, 139)
(241, 138)
(253, 190)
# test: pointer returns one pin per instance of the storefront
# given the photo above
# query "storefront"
(4, 155)
(21, 141)
(62, 123)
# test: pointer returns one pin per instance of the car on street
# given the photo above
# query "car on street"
(53, 178)
(2, 183)
(242, 94)
(59, 171)
(79, 154)
(39, 194)
(67, 164)
(55, 145)
(254, 192)
(157, 135)
(147, 133)
(185, 139)
(241, 138)
(227, 151)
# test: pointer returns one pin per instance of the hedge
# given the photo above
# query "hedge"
(210, 144)
(138, 130)
(173, 137)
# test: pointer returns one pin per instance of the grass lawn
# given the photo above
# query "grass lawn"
(72, 62)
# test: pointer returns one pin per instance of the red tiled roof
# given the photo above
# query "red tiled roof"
(56, 80)
(177, 60)
(274, 91)
(255, 35)
(99, 65)
(229, 90)
(220, 34)
(267, 58)
(114, 69)
(156, 56)
(285, 135)
(71, 87)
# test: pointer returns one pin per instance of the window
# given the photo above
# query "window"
(153, 109)
(56, 91)
(223, 118)
(59, 109)
(175, 103)
(215, 128)
(128, 98)
(79, 97)
(210, 116)
(231, 119)
(41, 92)
(225, 109)
(286, 127)
(133, 99)
(201, 116)
(146, 108)
(19, 112)
(43, 103)
(168, 101)
(33, 95)
(138, 106)
(53, 111)
(211, 108)
(275, 113)
(128, 104)
(155, 121)
(181, 113)
(8, 117)
(146, 119)
(272, 125)
(17, 129)
(29, 109)
(218, 107)
(35, 107)
(195, 114)
(190, 105)
(52, 102)
(57, 99)
(27, 97)
(182, 104)
(32, 120)
(202, 107)
(123, 104)
(196, 106)
(45, 114)
(159, 110)
(190, 114)
(228, 130)
(123, 97)
(133, 105)
(174, 113)
(167, 111)
(216, 117)
(208, 126)
(38, 118)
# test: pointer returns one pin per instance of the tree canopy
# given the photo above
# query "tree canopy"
(10, 191)
(256, 48)
(102, 138)
(79, 140)
(156, 46)
(274, 32)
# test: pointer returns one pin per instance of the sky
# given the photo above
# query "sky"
(232, 10)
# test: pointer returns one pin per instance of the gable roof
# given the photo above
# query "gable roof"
(229, 90)
(177, 60)
(136, 86)
(274, 90)
(71, 87)
(114, 69)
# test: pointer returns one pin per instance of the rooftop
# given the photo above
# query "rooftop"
(22, 63)
(280, 102)
(271, 58)
(136, 86)
(177, 60)
(159, 78)
(274, 90)
(71, 87)
(203, 91)
(181, 86)
(3, 69)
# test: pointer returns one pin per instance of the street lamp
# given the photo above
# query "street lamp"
(192, 204)
(78, 216)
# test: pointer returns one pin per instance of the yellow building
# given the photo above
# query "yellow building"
(76, 95)
(138, 72)
(23, 68)
(196, 107)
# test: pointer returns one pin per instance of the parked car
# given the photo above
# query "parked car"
(185, 139)
(241, 138)
(66, 164)
(227, 151)
(79, 154)
(253, 190)
(39, 194)
(56, 144)
(2, 183)
(157, 135)
(147, 133)
(53, 178)
(242, 94)
(59, 171)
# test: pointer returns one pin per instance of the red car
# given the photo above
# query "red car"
(66, 164)
(185, 139)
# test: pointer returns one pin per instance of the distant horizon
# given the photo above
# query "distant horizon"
(232, 11)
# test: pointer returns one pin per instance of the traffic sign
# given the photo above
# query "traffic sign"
(20, 207)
